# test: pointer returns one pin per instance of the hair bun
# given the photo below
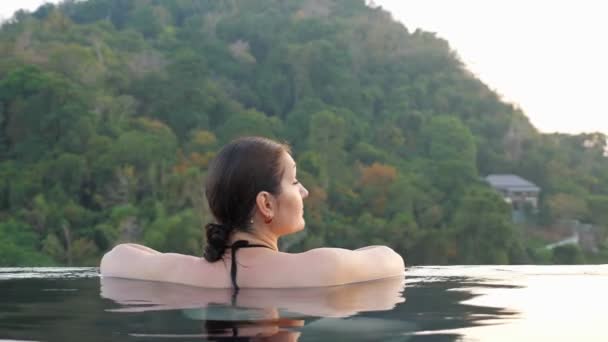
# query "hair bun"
(217, 239)
(217, 234)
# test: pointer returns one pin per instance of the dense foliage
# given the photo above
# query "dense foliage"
(110, 111)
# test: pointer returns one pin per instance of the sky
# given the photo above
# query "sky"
(549, 57)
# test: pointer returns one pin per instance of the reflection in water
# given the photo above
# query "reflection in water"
(267, 314)
(54, 307)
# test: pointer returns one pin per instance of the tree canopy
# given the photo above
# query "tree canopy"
(110, 111)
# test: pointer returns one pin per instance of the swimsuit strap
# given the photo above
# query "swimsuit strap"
(236, 246)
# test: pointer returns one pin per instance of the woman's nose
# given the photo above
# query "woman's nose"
(303, 191)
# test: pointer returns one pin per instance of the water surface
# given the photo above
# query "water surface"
(474, 303)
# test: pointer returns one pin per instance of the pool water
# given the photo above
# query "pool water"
(455, 303)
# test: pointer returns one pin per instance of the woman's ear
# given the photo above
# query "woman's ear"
(265, 203)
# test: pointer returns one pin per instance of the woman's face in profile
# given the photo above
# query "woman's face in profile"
(289, 217)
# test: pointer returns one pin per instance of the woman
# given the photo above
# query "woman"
(254, 195)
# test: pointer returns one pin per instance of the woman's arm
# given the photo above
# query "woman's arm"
(339, 266)
(127, 261)
(367, 247)
(142, 248)
(132, 261)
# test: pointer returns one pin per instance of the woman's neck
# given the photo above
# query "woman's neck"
(254, 237)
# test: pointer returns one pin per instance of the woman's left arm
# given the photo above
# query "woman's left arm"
(130, 261)
(133, 261)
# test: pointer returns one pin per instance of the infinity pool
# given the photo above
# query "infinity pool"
(457, 303)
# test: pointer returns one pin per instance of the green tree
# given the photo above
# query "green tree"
(19, 246)
(450, 147)
(483, 228)
(567, 255)
(327, 136)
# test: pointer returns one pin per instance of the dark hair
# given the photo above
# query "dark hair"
(238, 173)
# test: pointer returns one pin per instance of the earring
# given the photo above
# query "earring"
(267, 220)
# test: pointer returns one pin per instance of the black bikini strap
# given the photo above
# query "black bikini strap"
(235, 246)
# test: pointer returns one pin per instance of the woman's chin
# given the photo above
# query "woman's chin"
(293, 229)
(300, 227)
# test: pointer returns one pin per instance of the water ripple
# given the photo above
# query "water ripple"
(48, 272)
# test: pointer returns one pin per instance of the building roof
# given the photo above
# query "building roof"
(511, 182)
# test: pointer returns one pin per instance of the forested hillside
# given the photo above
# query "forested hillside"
(110, 111)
